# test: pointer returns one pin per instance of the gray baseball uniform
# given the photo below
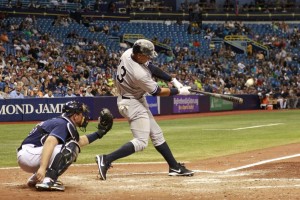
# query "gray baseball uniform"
(133, 82)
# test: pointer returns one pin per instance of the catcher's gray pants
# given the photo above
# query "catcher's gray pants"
(142, 122)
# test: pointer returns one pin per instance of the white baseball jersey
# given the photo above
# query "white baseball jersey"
(133, 79)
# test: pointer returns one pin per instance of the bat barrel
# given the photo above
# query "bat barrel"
(221, 96)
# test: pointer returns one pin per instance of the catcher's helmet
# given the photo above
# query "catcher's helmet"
(144, 47)
(75, 107)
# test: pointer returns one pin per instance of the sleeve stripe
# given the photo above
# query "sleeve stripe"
(156, 91)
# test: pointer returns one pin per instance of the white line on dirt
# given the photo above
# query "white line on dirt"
(242, 128)
(271, 186)
(260, 163)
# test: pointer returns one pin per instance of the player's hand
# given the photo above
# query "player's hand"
(184, 90)
(105, 122)
(176, 83)
(40, 174)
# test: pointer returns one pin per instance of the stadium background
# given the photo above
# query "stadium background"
(279, 179)
(209, 55)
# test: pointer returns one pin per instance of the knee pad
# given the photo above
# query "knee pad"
(139, 145)
(63, 160)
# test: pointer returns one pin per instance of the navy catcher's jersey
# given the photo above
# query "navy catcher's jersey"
(58, 127)
(134, 79)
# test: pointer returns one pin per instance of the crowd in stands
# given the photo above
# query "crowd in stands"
(190, 6)
(32, 71)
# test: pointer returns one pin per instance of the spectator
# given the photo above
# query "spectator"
(36, 93)
(105, 29)
(249, 50)
(49, 94)
(162, 84)
(292, 100)
(16, 93)
(97, 5)
(89, 91)
(70, 93)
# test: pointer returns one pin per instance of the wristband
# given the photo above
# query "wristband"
(174, 91)
(92, 137)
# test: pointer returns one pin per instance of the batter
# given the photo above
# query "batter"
(134, 81)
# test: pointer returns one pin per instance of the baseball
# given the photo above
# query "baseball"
(249, 82)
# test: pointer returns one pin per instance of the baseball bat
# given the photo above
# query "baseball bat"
(221, 96)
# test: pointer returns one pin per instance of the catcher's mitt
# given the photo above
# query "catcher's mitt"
(105, 122)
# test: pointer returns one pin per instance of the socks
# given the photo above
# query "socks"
(128, 149)
(165, 151)
(125, 150)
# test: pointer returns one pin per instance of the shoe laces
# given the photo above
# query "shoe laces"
(181, 165)
(109, 165)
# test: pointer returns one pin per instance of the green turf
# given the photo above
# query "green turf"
(190, 139)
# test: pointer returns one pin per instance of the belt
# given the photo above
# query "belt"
(123, 97)
(20, 148)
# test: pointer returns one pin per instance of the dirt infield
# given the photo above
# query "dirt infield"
(230, 177)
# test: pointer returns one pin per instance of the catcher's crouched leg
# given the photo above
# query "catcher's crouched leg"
(63, 160)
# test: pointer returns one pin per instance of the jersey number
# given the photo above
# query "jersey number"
(120, 77)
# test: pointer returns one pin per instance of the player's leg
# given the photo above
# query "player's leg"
(140, 128)
(29, 158)
(139, 143)
(158, 140)
(61, 162)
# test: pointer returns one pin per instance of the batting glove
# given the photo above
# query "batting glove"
(176, 83)
(184, 90)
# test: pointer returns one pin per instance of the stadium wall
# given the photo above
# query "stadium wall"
(12, 110)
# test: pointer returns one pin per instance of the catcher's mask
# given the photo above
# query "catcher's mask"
(144, 47)
(75, 107)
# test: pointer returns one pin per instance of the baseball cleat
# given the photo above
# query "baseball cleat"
(180, 171)
(103, 166)
(50, 186)
(32, 181)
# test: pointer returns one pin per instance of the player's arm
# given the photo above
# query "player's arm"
(168, 92)
(48, 148)
(150, 86)
(172, 91)
(158, 73)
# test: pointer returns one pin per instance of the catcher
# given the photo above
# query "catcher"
(53, 145)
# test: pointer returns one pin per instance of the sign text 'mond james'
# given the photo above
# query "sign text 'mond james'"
(12, 109)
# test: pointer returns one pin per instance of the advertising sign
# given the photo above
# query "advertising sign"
(153, 103)
(217, 104)
(185, 104)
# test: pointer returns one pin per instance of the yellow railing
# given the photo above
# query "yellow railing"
(133, 36)
(244, 38)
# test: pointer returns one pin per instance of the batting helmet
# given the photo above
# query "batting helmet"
(144, 47)
(75, 107)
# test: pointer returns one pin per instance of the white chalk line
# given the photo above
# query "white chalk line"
(197, 171)
(242, 128)
(249, 127)
(261, 163)
(271, 186)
